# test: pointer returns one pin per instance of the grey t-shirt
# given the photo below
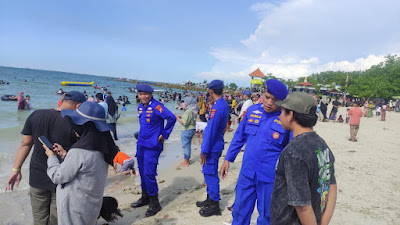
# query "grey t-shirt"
(304, 171)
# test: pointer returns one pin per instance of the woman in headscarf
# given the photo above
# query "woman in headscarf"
(82, 174)
(323, 107)
(113, 114)
(366, 107)
(188, 121)
(202, 109)
(21, 101)
(383, 110)
(370, 106)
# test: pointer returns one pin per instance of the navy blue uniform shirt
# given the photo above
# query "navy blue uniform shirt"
(151, 119)
(213, 137)
(265, 139)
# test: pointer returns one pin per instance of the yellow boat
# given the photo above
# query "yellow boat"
(74, 83)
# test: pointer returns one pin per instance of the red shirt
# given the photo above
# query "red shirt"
(355, 114)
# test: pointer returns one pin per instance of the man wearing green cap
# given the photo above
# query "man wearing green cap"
(305, 185)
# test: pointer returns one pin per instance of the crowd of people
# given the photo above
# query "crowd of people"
(287, 168)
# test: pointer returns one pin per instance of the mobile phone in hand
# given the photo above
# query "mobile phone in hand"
(46, 142)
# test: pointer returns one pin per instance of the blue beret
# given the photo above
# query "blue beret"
(144, 88)
(247, 92)
(277, 89)
(216, 84)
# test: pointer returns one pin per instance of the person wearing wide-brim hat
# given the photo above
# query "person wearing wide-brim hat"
(212, 147)
(81, 176)
(152, 134)
(50, 123)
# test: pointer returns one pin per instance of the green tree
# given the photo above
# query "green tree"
(382, 80)
(232, 86)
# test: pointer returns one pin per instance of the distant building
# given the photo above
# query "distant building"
(257, 81)
(304, 87)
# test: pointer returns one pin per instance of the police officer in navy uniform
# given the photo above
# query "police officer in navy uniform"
(261, 130)
(212, 147)
(150, 144)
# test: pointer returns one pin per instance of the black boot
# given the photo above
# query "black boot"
(144, 200)
(154, 207)
(210, 210)
(204, 203)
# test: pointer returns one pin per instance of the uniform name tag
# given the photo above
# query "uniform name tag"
(278, 122)
(255, 116)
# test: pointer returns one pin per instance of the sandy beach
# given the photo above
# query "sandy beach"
(368, 187)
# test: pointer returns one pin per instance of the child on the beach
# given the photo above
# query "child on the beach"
(123, 107)
(347, 116)
(340, 119)
(126, 162)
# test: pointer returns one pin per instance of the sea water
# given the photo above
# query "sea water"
(42, 86)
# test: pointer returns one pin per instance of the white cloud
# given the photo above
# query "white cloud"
(294, 70)
(299, 37)
(310, 60)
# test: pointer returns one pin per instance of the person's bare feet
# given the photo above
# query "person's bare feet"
(134, 173)
(185, 163)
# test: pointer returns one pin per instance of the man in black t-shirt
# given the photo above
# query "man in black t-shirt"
(48, 123)
(305, 186)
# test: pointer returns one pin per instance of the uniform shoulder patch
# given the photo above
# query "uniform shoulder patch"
(159, 108)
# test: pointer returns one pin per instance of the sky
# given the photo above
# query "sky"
(180, 40)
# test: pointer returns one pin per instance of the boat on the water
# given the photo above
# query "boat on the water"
(74, 83)
(9, 98)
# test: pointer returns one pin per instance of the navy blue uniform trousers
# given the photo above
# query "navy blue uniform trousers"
(250, 190)
(147, 163)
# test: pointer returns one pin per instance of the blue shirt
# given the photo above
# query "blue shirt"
(151, 120)
(213, 137)
(264, 137)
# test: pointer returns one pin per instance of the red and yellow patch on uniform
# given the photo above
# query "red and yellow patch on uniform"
(251, 120)
(275, 135)
(148, 115)
(159, 108)
(256, 121)
(148, 120)
(213, 113)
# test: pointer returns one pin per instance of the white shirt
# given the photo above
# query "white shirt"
(105, 106)
(245, 105)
